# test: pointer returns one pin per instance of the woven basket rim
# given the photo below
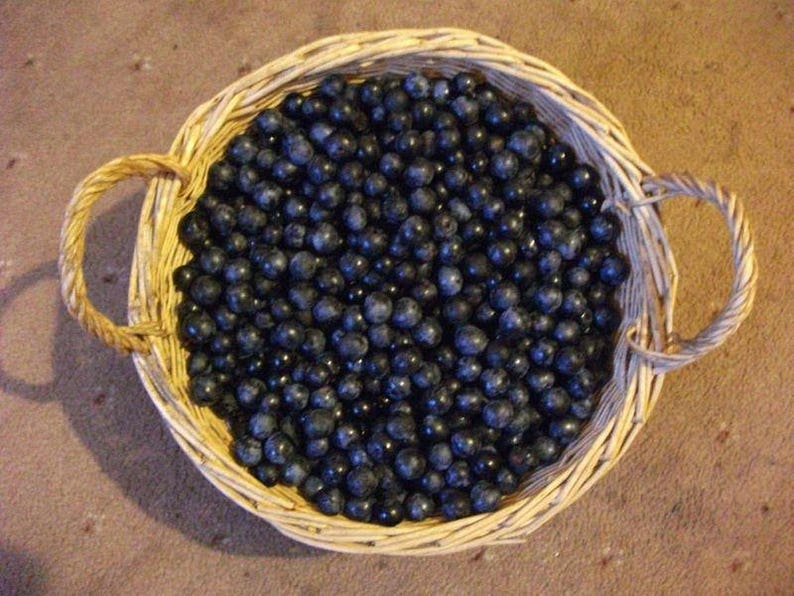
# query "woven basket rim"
(647, 298)
(310, 526)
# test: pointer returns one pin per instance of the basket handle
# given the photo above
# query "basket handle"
(740, 300)
(72, 249)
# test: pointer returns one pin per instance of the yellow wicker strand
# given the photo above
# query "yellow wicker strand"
(72, 249)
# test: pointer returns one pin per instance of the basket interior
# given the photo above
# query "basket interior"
(577, 119)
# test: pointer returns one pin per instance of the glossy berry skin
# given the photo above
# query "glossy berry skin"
(522, 459)
(558, 158)
(514, 322)
(507, 481)
(470, 340)
(546, 449)
(614, 270)
(358, 509)
(361, 481)
(388, 512)
(427, 377)
(459, 475)
(450, 281)
(295, 471)
(569, 360)
(428, 333)
(261, 425)
(198, 363)
(267, 474)
(345, 435)
(419, 173)
(184, 275)
(455, 504)
(554, 401)
(457, 310)
(581, 385)
(406, 313)
(205, 389)
(249, 393)
(504, 296)
(333, 469)
(278, 448)
(317, 424)
(565, 430)
(494, 382)
(603, 228)
(397, 387)
(504, 165)
(497, 413)
(487, 463)
(582, 409)
(485, 497)
(330, 501)
(324, 239)
(221, 177)
(248, 451)
(205, 290)
(524, 144)
(542, 352)
(566, 332)
(465, 109)
(377, 308)
(242, 150)
(381, 448)
(433, 429)
(465, 443)
(418, 507)
(440, 456)
(549, 205)
(548, 299)
(353, 346)
(582, 178)
(409, 463)
(197, 328)
(271, 122)
(401, 427)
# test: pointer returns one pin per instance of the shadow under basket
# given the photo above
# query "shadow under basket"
(645, 348)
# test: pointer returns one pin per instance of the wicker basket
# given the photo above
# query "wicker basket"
(645, 347)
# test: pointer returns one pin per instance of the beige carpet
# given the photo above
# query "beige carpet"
(95, 497)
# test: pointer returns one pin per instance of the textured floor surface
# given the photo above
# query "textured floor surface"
(95, 496)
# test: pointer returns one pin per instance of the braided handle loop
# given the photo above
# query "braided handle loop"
(72, 252)
(740, 300)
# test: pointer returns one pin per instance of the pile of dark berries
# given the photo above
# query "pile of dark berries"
(400, 296)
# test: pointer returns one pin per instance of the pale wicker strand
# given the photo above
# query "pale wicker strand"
(72, 249)
(647, 299)
(745, 268)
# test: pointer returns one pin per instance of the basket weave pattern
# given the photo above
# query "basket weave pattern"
(644, 350)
